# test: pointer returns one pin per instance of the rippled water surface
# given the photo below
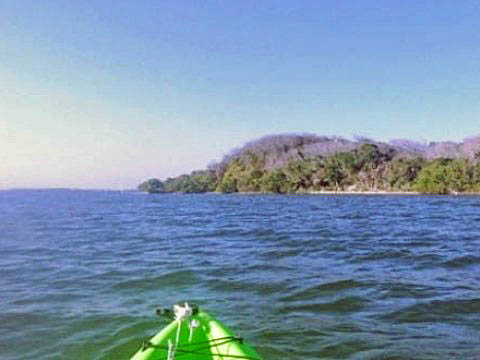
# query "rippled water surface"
(300, 277)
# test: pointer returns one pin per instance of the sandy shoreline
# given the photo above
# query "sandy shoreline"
(333, 192)
(345, 192)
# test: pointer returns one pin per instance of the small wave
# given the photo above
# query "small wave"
(174, 278)
(329, 287)
(462, 261)
(234, 286)
(15, 321)
(401, 290)
(343, 349)
(280, 253)
(127, 337)
(435, 311)
(352, 216)
(427, 261)
(266, 266)
(381, 354)
(386, 254)
(343, 305)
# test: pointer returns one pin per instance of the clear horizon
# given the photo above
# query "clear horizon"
(106, 95)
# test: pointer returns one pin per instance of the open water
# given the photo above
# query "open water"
(300, 277)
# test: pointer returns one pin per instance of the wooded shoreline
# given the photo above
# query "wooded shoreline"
(310, 164)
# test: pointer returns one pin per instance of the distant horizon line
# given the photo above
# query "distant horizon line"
(64, 189)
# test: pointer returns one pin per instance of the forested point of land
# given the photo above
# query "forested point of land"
(304, 163)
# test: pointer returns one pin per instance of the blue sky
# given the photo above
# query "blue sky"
(105, 94)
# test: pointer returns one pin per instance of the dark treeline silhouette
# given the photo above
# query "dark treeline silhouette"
(296, 163)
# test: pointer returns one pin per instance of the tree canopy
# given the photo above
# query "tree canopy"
(303, 163)
(152, 186)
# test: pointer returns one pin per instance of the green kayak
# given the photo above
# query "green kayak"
(195, 335)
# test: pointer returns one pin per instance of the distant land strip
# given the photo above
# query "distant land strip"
(307, 163)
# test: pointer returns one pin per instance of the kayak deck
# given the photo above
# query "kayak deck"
(207, 339)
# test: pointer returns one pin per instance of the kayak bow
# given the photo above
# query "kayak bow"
(195, 335)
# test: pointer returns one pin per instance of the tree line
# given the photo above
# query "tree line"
(300, 164)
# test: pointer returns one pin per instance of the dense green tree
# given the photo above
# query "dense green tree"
(433, 178)
(241, 176)
(274, 181)
(299, 174)
(476, 177)
(152, 186)
(368, 155)
(334, 173)
(340, 170)
(196, 182)
(402, 172)
(460, 175)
